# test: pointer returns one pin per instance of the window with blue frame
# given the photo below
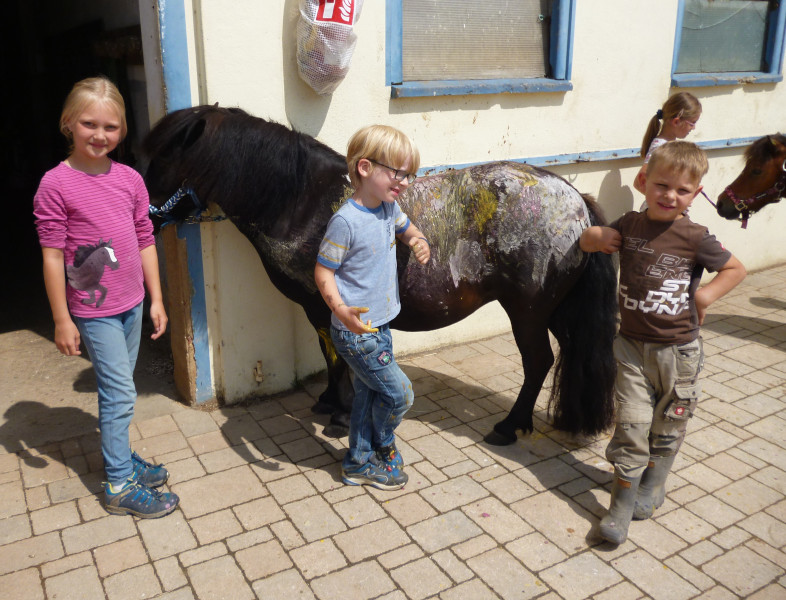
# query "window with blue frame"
(438, 48)
(723, 42)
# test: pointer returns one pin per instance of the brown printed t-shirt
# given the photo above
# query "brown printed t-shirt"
(661, 264)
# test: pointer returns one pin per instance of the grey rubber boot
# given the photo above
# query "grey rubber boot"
(614, 526)
(652, 491)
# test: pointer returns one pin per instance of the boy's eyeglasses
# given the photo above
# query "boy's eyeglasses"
(398, 174)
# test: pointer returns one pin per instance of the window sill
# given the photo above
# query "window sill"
(593, 156)
(713, 79)
(413, 89)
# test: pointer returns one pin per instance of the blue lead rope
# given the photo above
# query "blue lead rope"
(164, 211)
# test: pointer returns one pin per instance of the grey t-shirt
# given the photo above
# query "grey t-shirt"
(360, 246)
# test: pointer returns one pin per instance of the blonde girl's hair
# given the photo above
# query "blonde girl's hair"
(84, 94)
(682, 157)
(383, 144)
(682, 105)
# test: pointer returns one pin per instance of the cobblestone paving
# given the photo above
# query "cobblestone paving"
(264, 515)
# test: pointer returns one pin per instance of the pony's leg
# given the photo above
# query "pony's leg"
(103, 291)
(336, 400)
(532, 339)
(345, 393)
(90, 299)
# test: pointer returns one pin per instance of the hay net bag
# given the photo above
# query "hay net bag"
(325, 41)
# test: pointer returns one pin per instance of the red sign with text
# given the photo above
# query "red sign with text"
(336, 11)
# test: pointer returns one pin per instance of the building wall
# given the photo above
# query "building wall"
(244, 55)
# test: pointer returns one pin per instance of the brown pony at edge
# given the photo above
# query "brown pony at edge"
(762, 181)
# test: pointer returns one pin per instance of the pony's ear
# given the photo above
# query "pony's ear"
(776, 144)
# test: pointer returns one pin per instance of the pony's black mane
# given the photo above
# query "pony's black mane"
(762, 150)
(218, 150)
(83, 252)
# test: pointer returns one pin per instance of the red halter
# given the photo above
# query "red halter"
(743, 206)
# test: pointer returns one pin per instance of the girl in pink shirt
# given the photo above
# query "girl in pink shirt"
(99, 254)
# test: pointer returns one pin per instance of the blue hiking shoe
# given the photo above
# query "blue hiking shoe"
(375, 473)
(138, 500)
(390, 456)
(148, 474)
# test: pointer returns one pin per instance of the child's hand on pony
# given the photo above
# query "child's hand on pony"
(421, 249)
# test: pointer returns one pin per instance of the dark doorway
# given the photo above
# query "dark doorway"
(42, 57)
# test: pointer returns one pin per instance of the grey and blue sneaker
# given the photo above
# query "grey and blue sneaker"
(375, 473)
(138, 500)
(148, 474)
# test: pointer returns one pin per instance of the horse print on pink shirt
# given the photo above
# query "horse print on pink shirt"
(88, 269)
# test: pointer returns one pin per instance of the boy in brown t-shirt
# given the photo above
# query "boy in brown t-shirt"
(658, 350)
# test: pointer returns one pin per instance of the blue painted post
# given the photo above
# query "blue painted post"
(177, 95)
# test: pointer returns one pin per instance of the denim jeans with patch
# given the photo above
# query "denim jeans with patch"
(383, 393)
(113, 345)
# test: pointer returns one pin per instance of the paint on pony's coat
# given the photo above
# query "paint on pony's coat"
(467, 263)
(460, 215)
(290, 254)
(86, 272)
(503, 205)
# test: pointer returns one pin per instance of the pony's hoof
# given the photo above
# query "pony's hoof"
(495, 438)
(334, 430)
(322, 408)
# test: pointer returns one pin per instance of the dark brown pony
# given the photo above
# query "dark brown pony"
(762, 181)
(501, 231)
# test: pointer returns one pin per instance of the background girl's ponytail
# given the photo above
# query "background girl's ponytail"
(652, 130)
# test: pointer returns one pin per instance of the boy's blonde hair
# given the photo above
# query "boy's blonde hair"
(381, 143)
(684, 157)
(85, 93)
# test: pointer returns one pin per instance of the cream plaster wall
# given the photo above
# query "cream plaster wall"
(621, 66)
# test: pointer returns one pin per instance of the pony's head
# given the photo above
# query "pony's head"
(762, 181)
(162, 165)
(84, 252)
(258, 172)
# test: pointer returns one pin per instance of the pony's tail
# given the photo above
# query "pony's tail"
(584, 323)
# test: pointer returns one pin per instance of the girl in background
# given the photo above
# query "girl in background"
(679, 116)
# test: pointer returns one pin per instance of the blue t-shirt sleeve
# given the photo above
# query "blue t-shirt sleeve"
(335, 245)
(401, 219)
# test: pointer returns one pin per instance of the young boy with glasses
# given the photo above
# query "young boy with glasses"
(356, 275)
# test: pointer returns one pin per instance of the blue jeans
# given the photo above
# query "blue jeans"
(383, 393)
(113, 345)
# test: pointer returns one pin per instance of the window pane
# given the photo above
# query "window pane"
(467, 39)
(723, 35)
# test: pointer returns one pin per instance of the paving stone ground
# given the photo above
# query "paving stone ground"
(265, 515)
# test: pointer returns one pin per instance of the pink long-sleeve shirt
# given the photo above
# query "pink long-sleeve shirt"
(101, 223)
